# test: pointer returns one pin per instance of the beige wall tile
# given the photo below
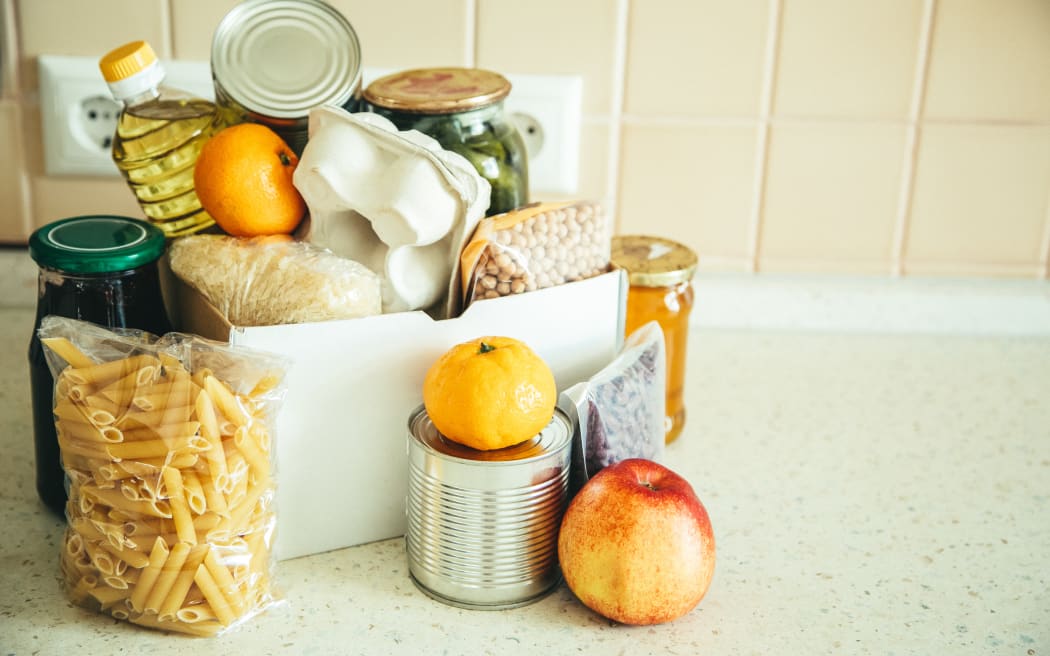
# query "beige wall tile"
(552, 36)
(58, 198)
(412, 34)
(990, 60)
(696, 58)
(8, 50)
(831, 195)
(60, 27)
(594, 166)
(849, 59)
(693, 185)
(14, 219)
(980, 197)
(193, 24)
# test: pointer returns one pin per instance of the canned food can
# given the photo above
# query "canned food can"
(273, 61)
(483, 525)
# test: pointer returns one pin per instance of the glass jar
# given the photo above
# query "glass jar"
(462, 108)
(660, 272)
(101, 269)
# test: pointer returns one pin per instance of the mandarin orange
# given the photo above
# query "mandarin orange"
(490, 393)
(243, 178)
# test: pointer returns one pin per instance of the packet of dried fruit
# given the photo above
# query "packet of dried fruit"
(533, 247)
(619, 411)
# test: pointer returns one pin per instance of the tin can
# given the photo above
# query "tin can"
(483, 525)
(273, 61)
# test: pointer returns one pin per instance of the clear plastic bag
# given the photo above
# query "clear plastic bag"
(534, 247)
(167, 447)
(266, 281)
(619, 411)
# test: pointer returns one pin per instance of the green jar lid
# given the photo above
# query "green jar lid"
(96, 244)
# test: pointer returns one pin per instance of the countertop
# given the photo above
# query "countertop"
(871, 491)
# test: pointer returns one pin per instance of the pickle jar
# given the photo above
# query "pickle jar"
(660, 273)
(101, 269)
(462, 108)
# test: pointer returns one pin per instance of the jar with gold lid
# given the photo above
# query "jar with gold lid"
(660, 272)
(462, 108)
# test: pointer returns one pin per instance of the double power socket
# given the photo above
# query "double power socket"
(79, 117)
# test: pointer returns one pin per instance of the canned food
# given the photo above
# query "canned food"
(483, 525)
(275, 60)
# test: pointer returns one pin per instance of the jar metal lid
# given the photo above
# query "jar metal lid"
(281, 58)
(653, 261)
(96, 244)
(437, 90)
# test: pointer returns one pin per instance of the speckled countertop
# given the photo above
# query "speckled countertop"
(875, 492)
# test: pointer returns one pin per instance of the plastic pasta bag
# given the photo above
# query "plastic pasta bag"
(265, 281)
(167, 448)
(619, 411)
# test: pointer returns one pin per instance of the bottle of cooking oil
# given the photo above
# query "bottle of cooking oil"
(159, 134)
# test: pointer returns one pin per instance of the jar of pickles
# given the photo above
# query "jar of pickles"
(660, 272)
(101, 269)
(462, 108)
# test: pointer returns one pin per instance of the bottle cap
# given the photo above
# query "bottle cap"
(131, 69)
(653, 261)
(96, 244)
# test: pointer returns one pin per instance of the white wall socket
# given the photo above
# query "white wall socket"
(79, 116)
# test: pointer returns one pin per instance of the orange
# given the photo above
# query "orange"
(490, 393)
(243, 179)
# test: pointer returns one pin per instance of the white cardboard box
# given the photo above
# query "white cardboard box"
(341, 435)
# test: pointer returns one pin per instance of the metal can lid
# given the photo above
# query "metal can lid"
(281, 58)
(653, 261)
(96, 244)
(437, 90)
(554, 438)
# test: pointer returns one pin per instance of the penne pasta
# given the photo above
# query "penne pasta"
(68, 352)
(170, 490)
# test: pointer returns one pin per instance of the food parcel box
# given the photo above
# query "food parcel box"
(342, 431)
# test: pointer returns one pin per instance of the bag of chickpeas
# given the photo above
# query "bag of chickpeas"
(167, 448)
(533, 247)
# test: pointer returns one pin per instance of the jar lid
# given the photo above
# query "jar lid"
(282, 58)
(96, 244)
(437, 90)
(653, 261)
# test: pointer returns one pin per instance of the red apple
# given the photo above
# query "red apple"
(636, 544)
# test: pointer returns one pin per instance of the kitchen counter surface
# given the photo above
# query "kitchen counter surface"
(871, 493)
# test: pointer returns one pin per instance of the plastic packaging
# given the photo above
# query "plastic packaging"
(160, 132)
(394, 201)
(538, 246)
(619, 411)
(96, 268)
(267, 281)
(167, 444)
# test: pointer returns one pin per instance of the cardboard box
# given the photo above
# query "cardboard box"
(341, 435)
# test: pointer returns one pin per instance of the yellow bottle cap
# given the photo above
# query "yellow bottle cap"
(125, 61)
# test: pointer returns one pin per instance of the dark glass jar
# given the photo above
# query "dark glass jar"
(101, 269)
(462, 108)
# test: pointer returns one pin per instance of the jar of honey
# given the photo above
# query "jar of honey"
(660, 272)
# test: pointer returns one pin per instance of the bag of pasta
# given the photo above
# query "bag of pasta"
(166, 444)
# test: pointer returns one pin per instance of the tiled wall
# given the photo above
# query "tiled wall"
(877, 137)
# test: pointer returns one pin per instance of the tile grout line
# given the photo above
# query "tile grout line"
(470, 48)
(905, 198)
(764, 126)
(169, 29)
(619, 83)
(1044, 254)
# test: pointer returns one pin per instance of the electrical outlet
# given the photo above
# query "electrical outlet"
(79, 117)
